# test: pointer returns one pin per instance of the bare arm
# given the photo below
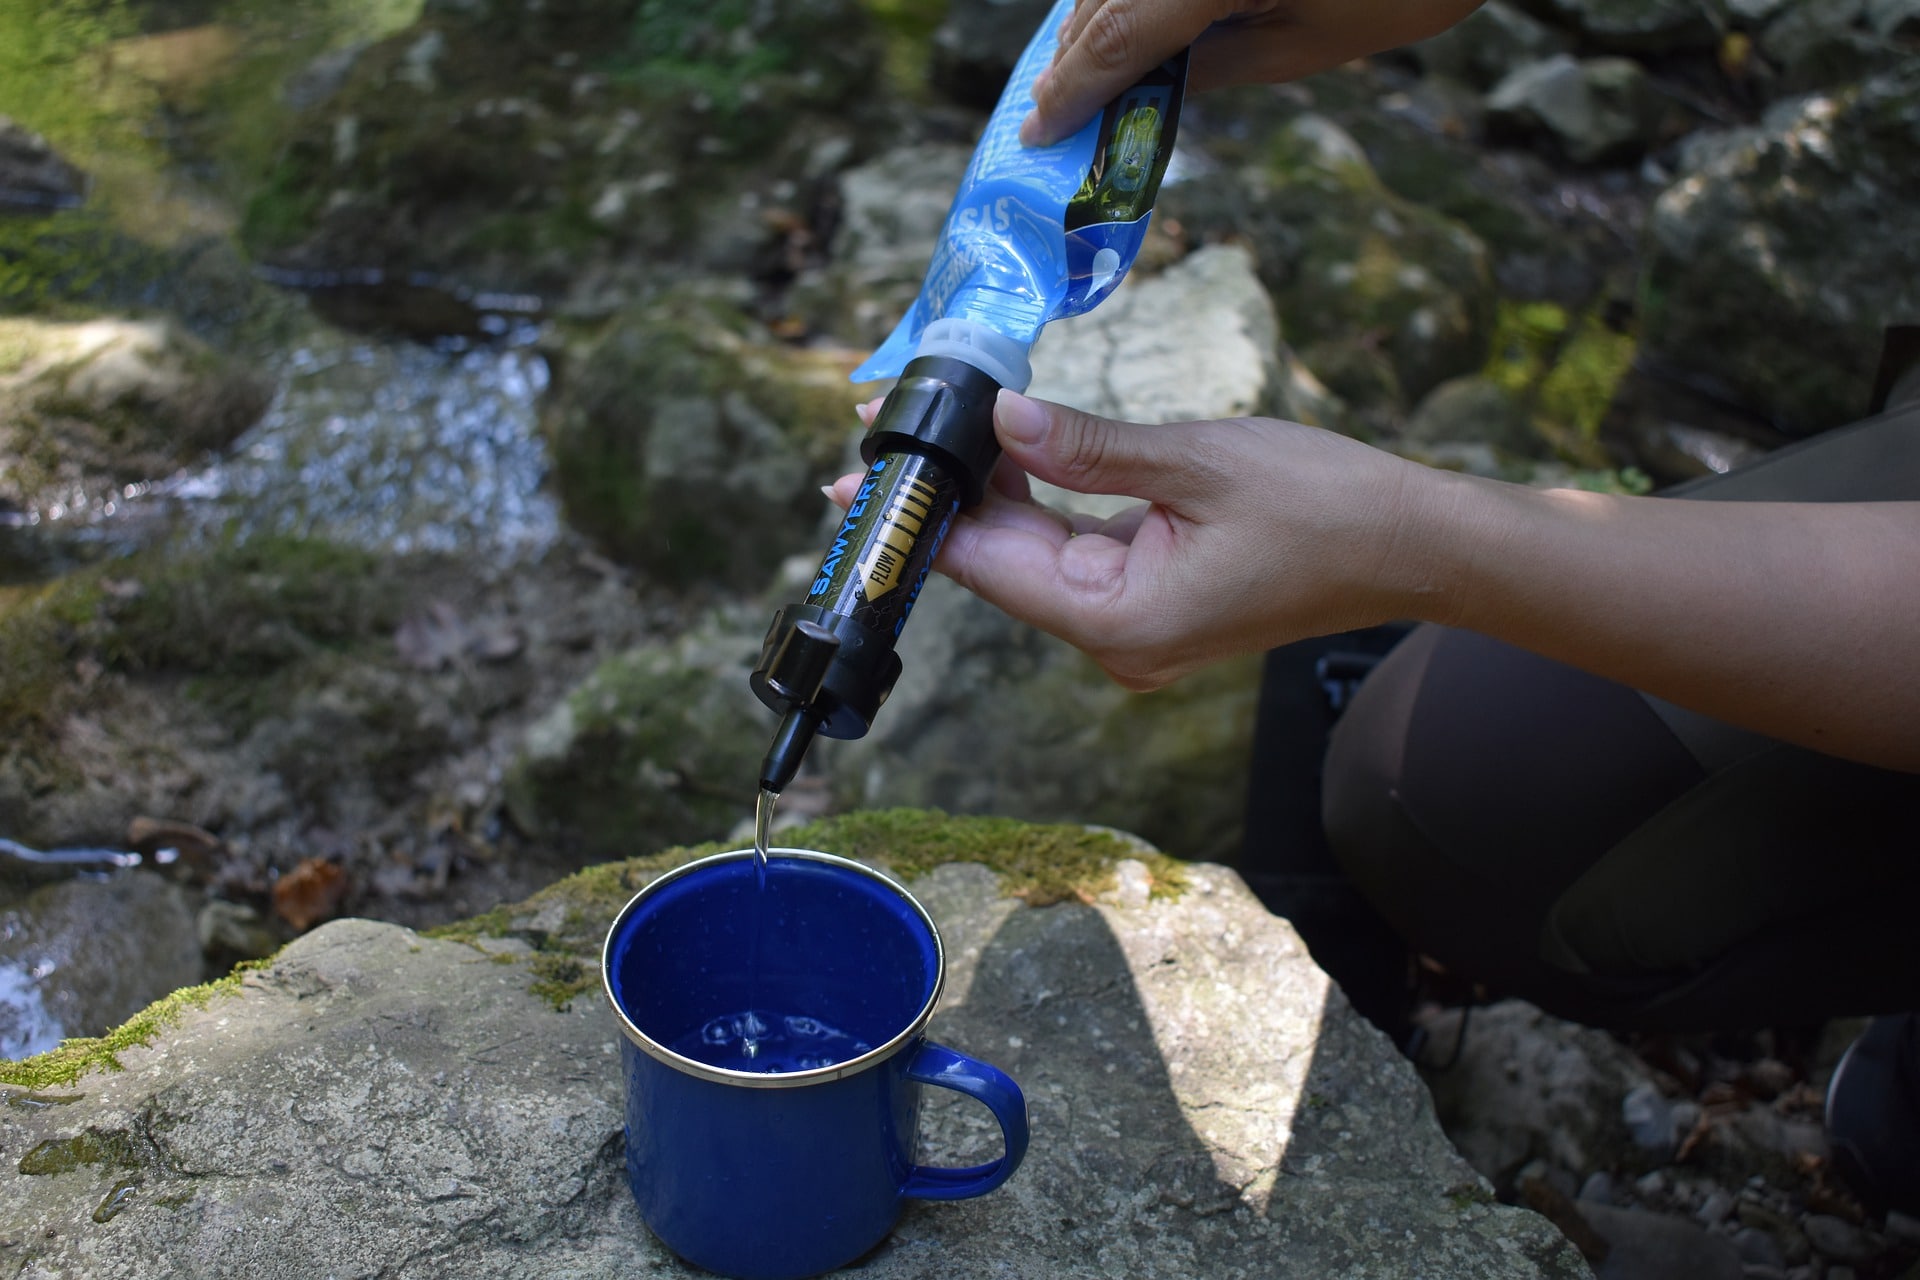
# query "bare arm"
(1797, 620)
(1106, 44)
(1800, 621)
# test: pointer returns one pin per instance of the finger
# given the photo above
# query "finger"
(1064, 586)
(1009, 479)
(842, 491)
(1108, 46)
(870, 410)
(1170, 464)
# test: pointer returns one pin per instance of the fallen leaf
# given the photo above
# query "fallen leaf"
(310, 893)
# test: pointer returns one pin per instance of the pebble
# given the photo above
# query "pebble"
(1716, 1208)
(1598, 1187)
(1758, 1249)
(1836, 1237)
(1840, 1273)
(1903, 1227)
(1754, 1271)
(1650, 1184)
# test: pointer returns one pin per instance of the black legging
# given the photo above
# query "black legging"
(1619, 860)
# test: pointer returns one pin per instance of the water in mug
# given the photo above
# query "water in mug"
(768, 1043)
(757, 1040)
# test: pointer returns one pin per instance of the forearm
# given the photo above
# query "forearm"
(1796, 620)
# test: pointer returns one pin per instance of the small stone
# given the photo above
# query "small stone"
(1598, 1187)
(1840, 1273)
(1836, 1237)
(1757, 1248)
(1650, 1184)
(1715, 1208)
(1903, 1227)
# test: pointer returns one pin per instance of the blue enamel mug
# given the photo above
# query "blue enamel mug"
(774, 1051)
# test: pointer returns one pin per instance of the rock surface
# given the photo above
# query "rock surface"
(375, 1102)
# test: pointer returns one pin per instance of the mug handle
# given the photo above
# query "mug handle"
(938, 1065)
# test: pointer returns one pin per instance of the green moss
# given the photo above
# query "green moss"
(41, 632)
(1565, 367)
(107, 1149)
(247, 607)
(75, 1058)
(1040, 864)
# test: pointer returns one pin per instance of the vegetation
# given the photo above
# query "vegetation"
(1564, 367)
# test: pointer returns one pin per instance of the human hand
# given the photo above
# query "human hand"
(1105, 45)
(1254, 532)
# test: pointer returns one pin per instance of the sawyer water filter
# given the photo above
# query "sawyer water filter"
(1035, 234)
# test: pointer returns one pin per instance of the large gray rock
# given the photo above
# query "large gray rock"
(689, 444)
(1527, 1086)
(1204, 1103)
(1780, 253)
(1594, 109)
(83, 955)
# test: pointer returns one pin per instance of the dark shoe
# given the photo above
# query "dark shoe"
(1873, 1115)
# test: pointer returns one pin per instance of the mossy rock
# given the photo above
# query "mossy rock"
(564, 924)
(505, 147)
(1770, 272)
(658, 746)
(89, 406)
(230, 615)
(1039, 863)
(692, 448)
(1346, 258)
(1369, 262)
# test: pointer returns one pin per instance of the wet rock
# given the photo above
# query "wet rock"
(78, 957)
(1596, 110)
(689, 446)
(1204, 1103)
(87, 408)
(33, 176)
(1767, 271)
(1530, 1086)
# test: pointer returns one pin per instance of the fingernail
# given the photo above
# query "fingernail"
(1019, 418)
(1031, 133)
(862, 412)
(826, 491)
(1039, 83)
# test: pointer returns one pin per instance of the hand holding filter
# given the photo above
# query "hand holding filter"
(1034, 234)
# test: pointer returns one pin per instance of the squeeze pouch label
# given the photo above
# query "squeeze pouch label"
(1039, 233)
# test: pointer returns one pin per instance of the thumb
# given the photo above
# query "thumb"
(1089, 454)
